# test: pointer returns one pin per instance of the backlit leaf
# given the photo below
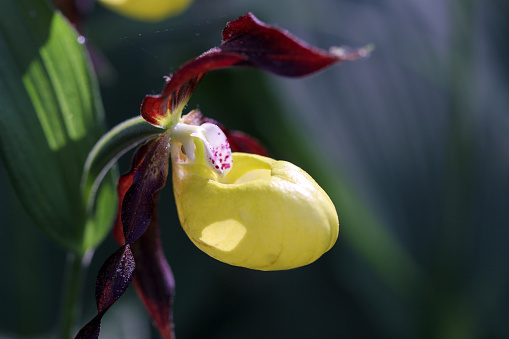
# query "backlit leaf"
(50, 118)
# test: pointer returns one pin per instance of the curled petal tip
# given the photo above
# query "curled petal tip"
(348, 54)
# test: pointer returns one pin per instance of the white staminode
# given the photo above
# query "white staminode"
(218, 155)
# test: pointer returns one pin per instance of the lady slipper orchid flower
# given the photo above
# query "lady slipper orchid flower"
(234, 202)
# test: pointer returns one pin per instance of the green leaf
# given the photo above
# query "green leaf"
(50, 118)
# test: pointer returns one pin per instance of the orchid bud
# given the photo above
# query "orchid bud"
(263, 214)
(147, 10)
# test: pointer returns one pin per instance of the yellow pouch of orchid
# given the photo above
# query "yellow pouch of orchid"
(263, 214)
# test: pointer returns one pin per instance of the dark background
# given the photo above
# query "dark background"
(411, 144)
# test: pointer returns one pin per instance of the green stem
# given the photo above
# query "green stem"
(109, 148)
(71, 303)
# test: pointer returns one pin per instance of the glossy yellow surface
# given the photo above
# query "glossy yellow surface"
(147, 10)
(264, 214)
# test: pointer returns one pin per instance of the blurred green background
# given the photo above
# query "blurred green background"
(411, 144)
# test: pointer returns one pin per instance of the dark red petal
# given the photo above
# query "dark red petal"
(113, 278)
(246, 42)
(181, 85)
(92, 329)
(139, 188)
(277, 51)
(149, 178)
(153, 278)
(123, 184)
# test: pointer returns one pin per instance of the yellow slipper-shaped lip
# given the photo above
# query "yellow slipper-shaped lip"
(264, 214)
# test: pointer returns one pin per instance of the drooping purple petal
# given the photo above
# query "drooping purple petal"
(153, 278)
(124, 183)
(149, 178)
(139, 190)
(246, 42)
(92, 329)
(115, 275)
